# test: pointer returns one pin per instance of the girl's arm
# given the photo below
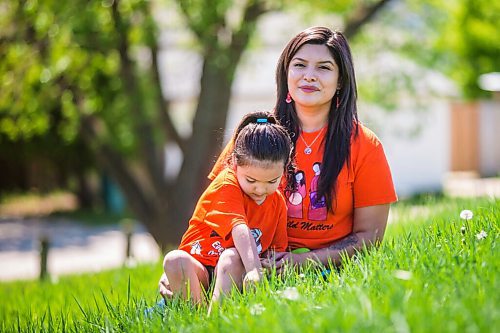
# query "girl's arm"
(247, 249)
(368, 230)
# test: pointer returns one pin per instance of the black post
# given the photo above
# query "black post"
(128, 229)
(44, 253)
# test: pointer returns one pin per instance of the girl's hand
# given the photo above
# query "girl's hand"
(252, 278)
(164, 287)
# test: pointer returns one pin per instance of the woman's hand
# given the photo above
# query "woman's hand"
(283, 259)
(164, 287)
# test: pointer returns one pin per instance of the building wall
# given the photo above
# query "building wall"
(489, 138)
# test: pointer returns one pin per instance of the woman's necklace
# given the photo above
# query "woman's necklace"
(308, 149)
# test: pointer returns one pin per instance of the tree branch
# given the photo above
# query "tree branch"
(117, 166)
(168, 126)
(252, 12)
(142, 127)
(361, 16)
(184, 6)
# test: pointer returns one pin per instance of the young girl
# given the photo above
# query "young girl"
(239, 216)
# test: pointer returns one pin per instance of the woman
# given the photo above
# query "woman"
(346, 172)
(348, 182)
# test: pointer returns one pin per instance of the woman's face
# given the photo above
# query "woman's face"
(312, 77)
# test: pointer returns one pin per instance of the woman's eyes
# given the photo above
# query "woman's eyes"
(250, 181)
(300, 65)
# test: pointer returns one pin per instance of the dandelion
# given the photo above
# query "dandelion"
(481, 235)
(130, 262)
(54, 279)
(402, 274)
(466, 214)
(257, 309)
(302, 276)
(290, 293)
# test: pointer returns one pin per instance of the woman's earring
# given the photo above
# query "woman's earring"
(338, 99)
(288, 99)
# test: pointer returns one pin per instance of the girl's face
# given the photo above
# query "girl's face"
(313, 77)
(259, 180)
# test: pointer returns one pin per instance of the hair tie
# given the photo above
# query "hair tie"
(261, 120)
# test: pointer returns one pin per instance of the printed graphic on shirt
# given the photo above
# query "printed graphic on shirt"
(217, 249)
(296, 198)
(308, 226)
(317, 205)
(195, 248)
(257, 234)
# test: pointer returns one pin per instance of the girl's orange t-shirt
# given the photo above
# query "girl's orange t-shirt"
(224, 205)
(365, 181)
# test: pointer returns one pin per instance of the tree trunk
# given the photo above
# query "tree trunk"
(203, 148)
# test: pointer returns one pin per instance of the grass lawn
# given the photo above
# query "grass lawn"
(434, 272)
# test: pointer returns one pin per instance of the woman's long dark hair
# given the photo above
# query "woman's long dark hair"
(342, 120)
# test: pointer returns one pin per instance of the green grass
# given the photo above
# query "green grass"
(429, 275)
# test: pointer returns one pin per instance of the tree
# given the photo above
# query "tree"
(85, 61)
(458, 38)
(471, 42)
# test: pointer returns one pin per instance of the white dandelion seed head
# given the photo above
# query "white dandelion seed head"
(402, 274)
(130, 262)
(302, 276)
(481, 235)
(290, 293)
(257, 309)
(466, 214)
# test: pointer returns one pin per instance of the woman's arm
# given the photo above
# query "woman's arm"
(369, 225)
(247, 249)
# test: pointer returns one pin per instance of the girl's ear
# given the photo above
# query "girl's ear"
(233, 162)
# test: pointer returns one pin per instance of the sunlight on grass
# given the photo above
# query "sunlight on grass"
(434, 272)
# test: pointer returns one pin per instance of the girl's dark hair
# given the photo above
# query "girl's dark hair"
(342, 120)
(259, 138)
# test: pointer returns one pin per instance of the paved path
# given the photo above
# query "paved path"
(74, 248)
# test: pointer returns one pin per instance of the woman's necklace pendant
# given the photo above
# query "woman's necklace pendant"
(308, 149)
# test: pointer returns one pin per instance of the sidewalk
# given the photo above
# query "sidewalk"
(469, 184)
(74, 247)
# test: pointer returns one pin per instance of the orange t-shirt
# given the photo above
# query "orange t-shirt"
(224, 205)
(366, 181)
